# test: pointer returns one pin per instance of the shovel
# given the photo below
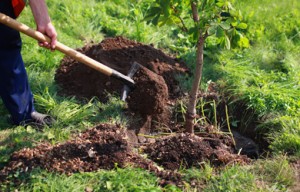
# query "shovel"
(129, 83)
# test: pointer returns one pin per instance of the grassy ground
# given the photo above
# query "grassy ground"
(265, 77)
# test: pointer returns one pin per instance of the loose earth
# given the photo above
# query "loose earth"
(151, 102)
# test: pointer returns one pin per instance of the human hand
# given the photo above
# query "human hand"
(43, 22)
(49, 31)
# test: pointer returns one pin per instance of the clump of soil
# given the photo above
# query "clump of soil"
(150, 95)
(186, 151)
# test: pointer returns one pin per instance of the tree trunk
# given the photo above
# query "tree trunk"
(191, 108)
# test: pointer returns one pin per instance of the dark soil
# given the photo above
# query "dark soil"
(155, 81)
(76, 79)
(186, 151)
(151, 102)
(105, 146)
(101, 147)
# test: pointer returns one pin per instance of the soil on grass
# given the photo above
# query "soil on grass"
(188, 150)
(150, 105)
(105, 146)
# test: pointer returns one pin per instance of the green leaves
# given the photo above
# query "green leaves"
(153, 15)
(212, 29)
(225, 25)
(242, 26)
(166, 12)
(216, 18)
(220, 32)
(227, 42)
(243, 41)
(220, 3)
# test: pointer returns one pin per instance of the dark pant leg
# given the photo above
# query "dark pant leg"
(14, 88)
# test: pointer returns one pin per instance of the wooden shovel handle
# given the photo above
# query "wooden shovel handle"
(59, 46)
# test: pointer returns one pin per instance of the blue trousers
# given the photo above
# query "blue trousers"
(14, 88)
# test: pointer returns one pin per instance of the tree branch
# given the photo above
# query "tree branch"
(195, 11)
(184, 28)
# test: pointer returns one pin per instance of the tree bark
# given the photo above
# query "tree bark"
(191, 108)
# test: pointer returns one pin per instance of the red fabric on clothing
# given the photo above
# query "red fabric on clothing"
(18, 6)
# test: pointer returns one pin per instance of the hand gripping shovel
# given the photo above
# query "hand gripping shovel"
(129, 83)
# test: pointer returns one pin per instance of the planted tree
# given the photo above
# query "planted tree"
(199, 19)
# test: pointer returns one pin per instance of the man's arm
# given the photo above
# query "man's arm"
(40, 13)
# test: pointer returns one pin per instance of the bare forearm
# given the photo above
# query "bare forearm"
(43, 22)
(40, 12)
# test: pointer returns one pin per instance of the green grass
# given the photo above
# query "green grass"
(233, 179)
(113, 180)
(276, 173)
(263, 175)
(266, 77)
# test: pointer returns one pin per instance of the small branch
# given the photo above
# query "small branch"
(228, 125)
(205, 35)
(195, 12)
(183, 28)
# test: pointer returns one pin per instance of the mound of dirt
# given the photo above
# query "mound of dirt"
(96, 148)
(150, 95)
(155, 81)
(76, 79)
(101, 147)
(186, 151)
(105, 146)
